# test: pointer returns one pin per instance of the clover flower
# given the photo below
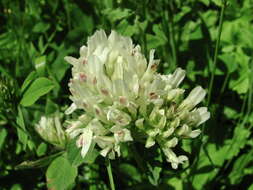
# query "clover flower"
(121, 94)
(50, 129)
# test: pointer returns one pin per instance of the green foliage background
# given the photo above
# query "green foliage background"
(35, 35)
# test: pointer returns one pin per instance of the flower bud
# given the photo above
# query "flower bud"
(50, 129)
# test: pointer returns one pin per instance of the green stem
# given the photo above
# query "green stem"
(172, 37)
(144, 39)
(193, 168)
(224, 83)
(109, 171)
(250, 90)
(223, 87)
(216, 51)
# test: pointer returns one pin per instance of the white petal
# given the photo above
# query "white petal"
(87, 140)
(175, 123)
(172, 143)
(97, 128)
(196, 95)
(105, 151)
(194, 98)
(74, 133)
(71, 60)
(177, 77)
(113, 37)
(111, 155)
(168, 132)
(104, 141)
(204, 115)
(174, 165)
(182, 158)
(72, 108)
(99, 38)
(116, 128)
(127, 136)
(149, 142)
(195, 133)
(183, 130)
(139, 123)
(117, 149)
(83, 51)
(174, 94)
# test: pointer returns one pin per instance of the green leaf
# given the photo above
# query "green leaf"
(240, 85)
(240, 82)
(230, 113)
(154, 41)
(229, 60)
(38, 88)
(21, 129)
(196, 34)
(38, 163)
(250, 187)
(206, 2)
(60, 174)
(51, 107)
(183, 12)
(40, 65)
(20, 118)
(16, 187)
(59, 66)
(91, 155)
(176, 183)
(22, 136)
(191, 71)
(159, 39)
(41, 45)
(239, 167)
(206, 169)
(41, 27)
(154, 175)
(126, 29)
(217, 2)
(31, 145)
(42, 149)
(116, 14)
(239, 140)
(157, 29)
(130, 171)
(31, 77)
(74, 154)
(3, 135)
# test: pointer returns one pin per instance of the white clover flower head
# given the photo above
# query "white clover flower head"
(50, 129)
(121, 92)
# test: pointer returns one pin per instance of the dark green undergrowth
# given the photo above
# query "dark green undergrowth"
(35, 35)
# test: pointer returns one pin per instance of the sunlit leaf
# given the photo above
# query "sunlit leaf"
(38, 88)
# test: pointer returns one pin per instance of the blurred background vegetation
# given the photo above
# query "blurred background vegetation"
(35, 35)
